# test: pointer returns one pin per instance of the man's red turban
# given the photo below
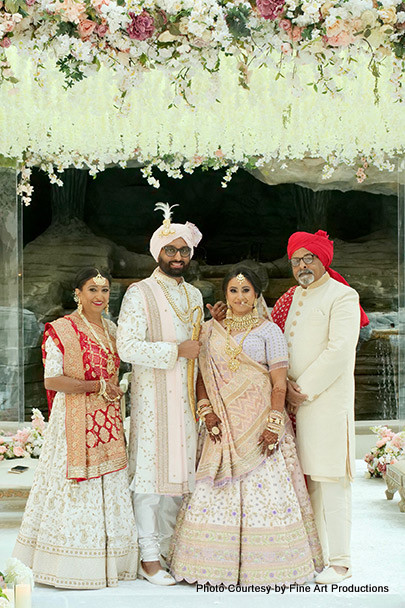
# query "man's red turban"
(320, 245)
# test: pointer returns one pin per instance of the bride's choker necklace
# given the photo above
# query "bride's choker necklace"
(248, 321)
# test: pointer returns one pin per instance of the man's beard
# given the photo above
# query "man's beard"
(305, 277)
(173, 272)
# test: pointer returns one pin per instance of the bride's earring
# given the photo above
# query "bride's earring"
(255, 312)
(229, 315)
(107, 309)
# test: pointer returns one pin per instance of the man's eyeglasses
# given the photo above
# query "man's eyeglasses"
(308, 258)
(171, 251)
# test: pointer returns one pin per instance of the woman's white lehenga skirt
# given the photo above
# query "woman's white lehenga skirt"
(256, 530)
(76, 535)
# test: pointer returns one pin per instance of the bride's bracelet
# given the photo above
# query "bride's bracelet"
(275, 423)
(204, 407)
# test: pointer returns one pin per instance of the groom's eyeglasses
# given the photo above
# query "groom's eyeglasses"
(171, 251)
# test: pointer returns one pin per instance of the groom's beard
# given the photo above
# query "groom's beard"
(305, 277)
(173, 272)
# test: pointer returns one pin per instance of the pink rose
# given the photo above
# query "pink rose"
(86, 27)
(30, 2)
(218, 153)
(102, 29)
(3, 449)
(396, 441)
(141, 27)
(270, 9)
(295, 34)
(342, 39)
(5, 43)
(384, 440)
(99, 3)
(285, 25)
(18, 451)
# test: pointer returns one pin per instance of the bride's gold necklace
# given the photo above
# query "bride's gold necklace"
(247, 322)
(108, 351)
(242, 323)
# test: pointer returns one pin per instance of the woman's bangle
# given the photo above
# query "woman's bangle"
(204, 407)
(103, 386)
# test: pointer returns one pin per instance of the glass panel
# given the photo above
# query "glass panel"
(401, 289)
(11, 326)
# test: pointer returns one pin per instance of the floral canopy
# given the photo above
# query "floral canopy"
(180, 84)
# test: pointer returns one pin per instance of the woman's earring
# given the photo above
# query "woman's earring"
(255, 312)
(79, 304)
(229, 314)
(107, 309)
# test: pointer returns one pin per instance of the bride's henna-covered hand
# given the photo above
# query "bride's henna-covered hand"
(267, 438)
(212, 420)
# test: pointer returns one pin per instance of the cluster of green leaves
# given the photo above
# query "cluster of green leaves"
(399, 48)
(69, 66)
(67, 27)
(236, 20)
(16, 6)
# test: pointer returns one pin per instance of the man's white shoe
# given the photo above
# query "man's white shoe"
(329, 575)
(161, 577)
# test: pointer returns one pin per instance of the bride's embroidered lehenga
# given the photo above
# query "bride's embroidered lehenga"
(249, 519)
(78, 529)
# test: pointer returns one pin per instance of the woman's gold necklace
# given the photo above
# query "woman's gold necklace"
(242, 323)
(238, 323)
(184, 316)
(111, 368)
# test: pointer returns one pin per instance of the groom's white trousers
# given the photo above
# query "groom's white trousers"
(155, 516)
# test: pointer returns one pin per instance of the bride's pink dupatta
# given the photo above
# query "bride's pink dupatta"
(241, 400)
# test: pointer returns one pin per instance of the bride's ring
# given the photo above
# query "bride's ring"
(215, 430)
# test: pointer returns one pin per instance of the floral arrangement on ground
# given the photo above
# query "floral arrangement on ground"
(26, 441)
(389, 448)
(15, 573)
(181, 36)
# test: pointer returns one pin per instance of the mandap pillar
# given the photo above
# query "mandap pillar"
(11, 310)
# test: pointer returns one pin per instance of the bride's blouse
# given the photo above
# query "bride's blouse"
(266, 345)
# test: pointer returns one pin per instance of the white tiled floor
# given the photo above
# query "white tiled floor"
(378, 542)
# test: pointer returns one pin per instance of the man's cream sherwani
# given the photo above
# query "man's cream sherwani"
(157, 398)
(322, 330)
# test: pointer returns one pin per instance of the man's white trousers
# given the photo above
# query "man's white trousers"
(155, 516)
(331, 503)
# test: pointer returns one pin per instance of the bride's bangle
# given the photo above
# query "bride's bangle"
(204, 407)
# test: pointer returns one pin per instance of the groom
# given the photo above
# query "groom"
(154, 334)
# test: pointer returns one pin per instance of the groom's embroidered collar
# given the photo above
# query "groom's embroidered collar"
(161, 276)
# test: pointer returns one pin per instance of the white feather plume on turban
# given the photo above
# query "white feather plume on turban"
(169, 232)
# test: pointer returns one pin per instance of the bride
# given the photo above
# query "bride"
(249, 519)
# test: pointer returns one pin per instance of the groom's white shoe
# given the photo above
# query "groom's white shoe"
(330, 576)
(161, 577)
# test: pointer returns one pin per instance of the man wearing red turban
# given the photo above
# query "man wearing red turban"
(321, 319)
